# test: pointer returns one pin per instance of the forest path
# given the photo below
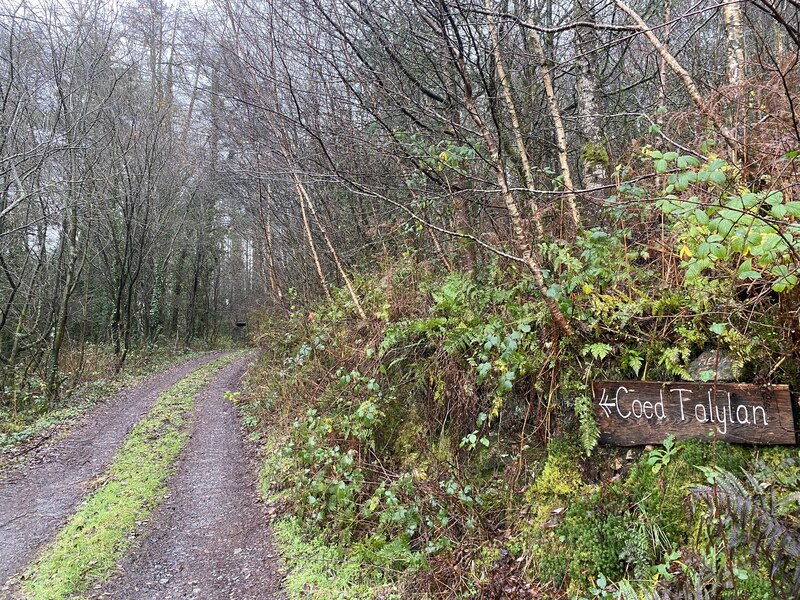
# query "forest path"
(210, 538)
(37, 496)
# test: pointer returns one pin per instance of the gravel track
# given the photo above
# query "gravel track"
(38, 496)
(210, 537)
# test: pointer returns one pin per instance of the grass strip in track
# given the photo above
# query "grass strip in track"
(86, 550)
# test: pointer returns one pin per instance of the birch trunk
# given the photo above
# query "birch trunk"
(734, 36)
(522, 151)
(310, 239)
(558, 125)
(594, 157)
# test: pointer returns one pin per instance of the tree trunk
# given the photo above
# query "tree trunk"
(52, 372)
(265, 221)
(310, 239)
(522, 151)
(335, 255)
(594, 156)
(558, 125)
(734, 36)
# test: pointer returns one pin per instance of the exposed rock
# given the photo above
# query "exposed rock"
(709, 367)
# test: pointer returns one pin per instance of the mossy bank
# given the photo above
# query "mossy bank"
(447, 448)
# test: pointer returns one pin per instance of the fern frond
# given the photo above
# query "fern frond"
(752, 520)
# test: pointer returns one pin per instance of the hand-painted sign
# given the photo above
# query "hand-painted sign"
(631, 413)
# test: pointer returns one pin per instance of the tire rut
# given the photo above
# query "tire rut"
(36, 499)
(210, 537)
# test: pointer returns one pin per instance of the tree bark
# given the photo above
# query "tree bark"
(558, 126)
(310, 239)
(594, 156)
(335, 255)
(734, 36)
(266, 228)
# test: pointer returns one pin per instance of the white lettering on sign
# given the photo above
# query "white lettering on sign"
(717, 410)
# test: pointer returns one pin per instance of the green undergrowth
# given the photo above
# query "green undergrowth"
(87, 548)
(97, 381)
(446, 449)
(448, 445)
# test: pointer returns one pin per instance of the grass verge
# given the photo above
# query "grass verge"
(86, 550)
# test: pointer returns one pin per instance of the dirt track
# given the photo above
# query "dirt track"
(37, 497)
(209, 539)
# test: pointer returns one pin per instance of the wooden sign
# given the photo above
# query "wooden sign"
(632, 413)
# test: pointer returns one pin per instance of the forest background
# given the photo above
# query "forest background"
(441, 219)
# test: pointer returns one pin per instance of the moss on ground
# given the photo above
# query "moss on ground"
(318, 569)
(86, 550)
